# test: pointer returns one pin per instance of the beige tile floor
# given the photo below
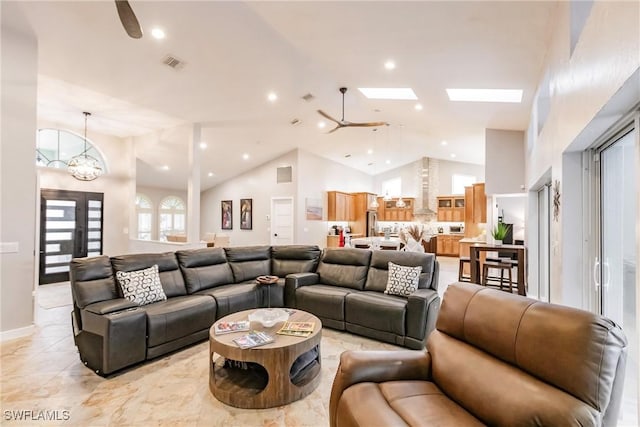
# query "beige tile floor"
(43, 372)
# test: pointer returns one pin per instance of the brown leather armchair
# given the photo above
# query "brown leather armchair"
(494, 358)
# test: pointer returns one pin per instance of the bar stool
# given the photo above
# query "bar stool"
(461, 277)
(502, 266)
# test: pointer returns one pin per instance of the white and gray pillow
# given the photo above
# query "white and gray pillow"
(403, 280)
(141, 287)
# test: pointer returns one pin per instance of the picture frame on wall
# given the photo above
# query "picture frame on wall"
(226, 208)
(246, 214)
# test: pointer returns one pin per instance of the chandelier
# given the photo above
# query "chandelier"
(83, 166)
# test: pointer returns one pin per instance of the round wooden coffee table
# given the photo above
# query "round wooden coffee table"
(269, 384)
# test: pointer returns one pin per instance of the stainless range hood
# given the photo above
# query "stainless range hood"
(423, 212)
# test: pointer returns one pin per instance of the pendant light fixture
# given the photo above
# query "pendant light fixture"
(400, 203)
(83, 166)
(374, 204)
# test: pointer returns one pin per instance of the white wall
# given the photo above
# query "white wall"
(317, 175)
(605, 57)
(17, 177)
(446, 170)
(409, 175)
(513, 209)
(504, 161)
(258, 184)
(156, 195)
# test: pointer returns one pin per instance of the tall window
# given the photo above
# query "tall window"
(144, 211)
(458, 182)
(172, 217)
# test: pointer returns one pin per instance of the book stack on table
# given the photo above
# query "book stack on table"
(298, 329)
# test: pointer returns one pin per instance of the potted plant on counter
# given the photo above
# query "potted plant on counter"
(500, 232)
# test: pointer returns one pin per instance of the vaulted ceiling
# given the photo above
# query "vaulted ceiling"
(235, 53)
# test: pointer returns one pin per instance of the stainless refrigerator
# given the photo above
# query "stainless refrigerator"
(372, 223)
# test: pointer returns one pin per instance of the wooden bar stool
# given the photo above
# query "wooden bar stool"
(502, 266)
(461, 277)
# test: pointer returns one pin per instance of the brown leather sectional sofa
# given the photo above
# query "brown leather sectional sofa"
(206, 284)
(494, 359)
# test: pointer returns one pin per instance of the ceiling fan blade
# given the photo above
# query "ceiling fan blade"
(128, 19)
(340, 125)
(328, 117)
(369, 124)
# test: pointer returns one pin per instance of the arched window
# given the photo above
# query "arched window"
(56, 147)
(172, 217)
(144, 213)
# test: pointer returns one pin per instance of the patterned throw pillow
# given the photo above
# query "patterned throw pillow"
(141, 287)
(402, 280)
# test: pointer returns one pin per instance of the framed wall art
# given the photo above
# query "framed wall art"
(246, 214)
(227, 214)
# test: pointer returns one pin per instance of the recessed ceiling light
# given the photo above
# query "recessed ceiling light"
(165, 168)
(321, 124)
(158, 33)
(453, 156)
(418, 107)
(210, 174)
(388, 92)
(272, 97)
(203, 145)
(388, 162)
(485, 95)
(443, 142)
(390, 65)
(245, 156)
(369, 151)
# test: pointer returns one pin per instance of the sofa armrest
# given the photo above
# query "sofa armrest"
(377, 366)
(423, 307)
(293, 282)
(110, 306)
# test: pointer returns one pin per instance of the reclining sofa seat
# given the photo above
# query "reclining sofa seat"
(180, 320)
(347, 293)
(494, 359)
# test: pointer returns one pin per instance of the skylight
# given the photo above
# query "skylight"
(388, 93)
(485, 95)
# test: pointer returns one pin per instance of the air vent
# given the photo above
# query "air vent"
(284, 175)
(173, 62)
(295, 122)
(308, 97)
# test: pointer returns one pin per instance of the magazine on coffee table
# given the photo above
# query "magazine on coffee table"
(253, 339)
(228, 327)
(298, 329)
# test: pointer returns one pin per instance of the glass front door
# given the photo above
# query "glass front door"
(70, 227)
(618, 253)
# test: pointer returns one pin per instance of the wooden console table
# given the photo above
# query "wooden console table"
(519, 250)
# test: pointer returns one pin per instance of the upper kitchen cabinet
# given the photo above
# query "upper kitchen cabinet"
(479, 203)
(388, 211)
(451, 208)
(340, 206)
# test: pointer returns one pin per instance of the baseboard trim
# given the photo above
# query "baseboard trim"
(12, 334)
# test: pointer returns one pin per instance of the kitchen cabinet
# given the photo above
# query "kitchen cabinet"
(389, 212)
(340, 206)
(479, 203)
(475, 212)
(448, 245)
(361, 206)
(451, 208)
(333, 241)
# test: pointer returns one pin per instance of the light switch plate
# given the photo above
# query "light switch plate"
(8, 247)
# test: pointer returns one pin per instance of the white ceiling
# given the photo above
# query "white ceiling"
(237, 52)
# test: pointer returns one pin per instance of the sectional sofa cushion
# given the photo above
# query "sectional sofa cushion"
(344, 267)
(178, 317)
(169, 270)
(249, 262)
(288, 259)
(233, 298)
(204, 268)
(378, 274)
(92, 280)
(377, 311)
(326, 302)
(141, 287)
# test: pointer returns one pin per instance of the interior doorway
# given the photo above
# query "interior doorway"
(281, 221)
(70, 227)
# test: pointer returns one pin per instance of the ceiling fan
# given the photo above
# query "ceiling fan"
(343, 123)
(128, 19)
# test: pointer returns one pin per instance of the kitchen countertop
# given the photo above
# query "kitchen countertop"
(473, 240)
